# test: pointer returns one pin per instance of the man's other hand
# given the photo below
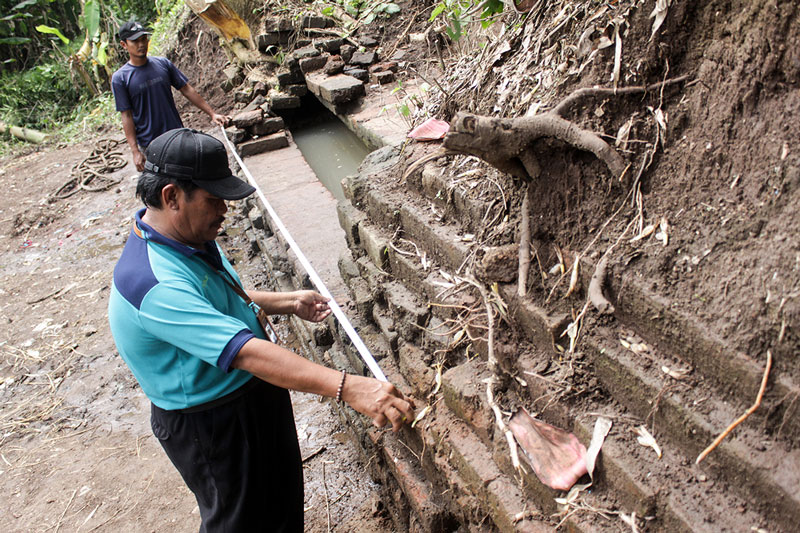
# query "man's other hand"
(220, 120)
(311, 306)
(138, 160)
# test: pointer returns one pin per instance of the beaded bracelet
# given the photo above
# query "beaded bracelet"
(341, 386)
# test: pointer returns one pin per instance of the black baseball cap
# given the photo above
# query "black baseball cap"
(195, 156)
(132, 30)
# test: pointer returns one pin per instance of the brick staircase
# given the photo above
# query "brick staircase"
(452, 472)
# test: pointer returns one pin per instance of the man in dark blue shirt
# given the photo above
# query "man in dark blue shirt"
(143, 93)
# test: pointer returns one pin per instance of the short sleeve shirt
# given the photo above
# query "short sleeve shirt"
(147, 92)
(176, 322)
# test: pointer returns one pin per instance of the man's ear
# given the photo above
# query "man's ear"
(169, 196)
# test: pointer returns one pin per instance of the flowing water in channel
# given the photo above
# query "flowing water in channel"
(332, 151)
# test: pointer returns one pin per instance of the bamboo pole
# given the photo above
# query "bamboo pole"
(26, 134)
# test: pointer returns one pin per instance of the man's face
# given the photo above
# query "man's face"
(137, 49)
(199, 216)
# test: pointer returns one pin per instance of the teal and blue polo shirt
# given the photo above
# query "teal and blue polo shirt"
(176, 322)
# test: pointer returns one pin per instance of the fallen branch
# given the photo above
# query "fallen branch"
(524, 243)
(742, 418)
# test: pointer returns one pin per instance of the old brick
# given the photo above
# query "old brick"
(374, 244)
(384, 65)
(232, 77)
(260, 89)
(263, 144)
(358, 73)
(283, 101)
(363, 59)
(278, 24)
(267, 126)
(346, 51)
(310, 64)
(368, 41)
(305, 52)
(409, 316)
(383, 77)
(315, 21)
(331, 45)
(419, 374)
(299, 90)
(235, 135)
(337, 89)
(247, 118)
(255, 103)
(334, 66)
(289, 77)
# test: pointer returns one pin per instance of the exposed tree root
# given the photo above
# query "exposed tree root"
(596, 296)
(742, 418)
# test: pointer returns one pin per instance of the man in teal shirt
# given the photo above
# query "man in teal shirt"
(191, 336)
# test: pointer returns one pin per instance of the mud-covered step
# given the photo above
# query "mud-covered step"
(668, 493)
(454, 197)
(497, 494)
(688, 416)
(736, 374)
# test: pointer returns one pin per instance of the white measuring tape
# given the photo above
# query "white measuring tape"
(312, 274)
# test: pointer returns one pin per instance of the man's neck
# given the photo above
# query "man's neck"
(159, 222)
(138, 61)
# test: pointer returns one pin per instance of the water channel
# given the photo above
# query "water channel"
(331, 150)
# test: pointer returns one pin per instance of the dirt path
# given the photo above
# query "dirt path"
(76, 450)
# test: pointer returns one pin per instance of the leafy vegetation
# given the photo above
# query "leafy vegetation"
(457, 14)
(57, 56)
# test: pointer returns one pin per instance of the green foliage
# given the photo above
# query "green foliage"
(39, 97)
(459, 13)
(172, 13)
(366, 10)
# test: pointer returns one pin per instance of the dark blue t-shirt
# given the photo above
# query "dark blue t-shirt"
(147, 92)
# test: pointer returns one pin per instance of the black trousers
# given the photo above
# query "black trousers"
(240, 459)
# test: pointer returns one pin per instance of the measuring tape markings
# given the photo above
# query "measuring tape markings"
(312, 274)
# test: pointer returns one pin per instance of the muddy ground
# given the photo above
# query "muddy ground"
(76, 449)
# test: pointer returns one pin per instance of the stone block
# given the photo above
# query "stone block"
(283, 101)
(334, 66)
(383, 77)
(315, 22)
(331, 45)
(268, 126)
(384, 65)
(278, 24)
(305, 52)
(408, 315)
(263, 144)
(265, 40)
(363, 59)
(299, 90)
(310, 64)
(247, 118)
(349, 219)
(362, 296)
(255, 103)
(358, 73)
(347, 51)
(347, 267)
(419, 374)
(260, 89)
(290, 77)
(337, 89)
(465, 393)
(375, 244)
(354, 188)
(235, 135)
(302, 42)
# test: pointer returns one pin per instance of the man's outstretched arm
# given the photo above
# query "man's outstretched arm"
(380, 401)
(199, 102)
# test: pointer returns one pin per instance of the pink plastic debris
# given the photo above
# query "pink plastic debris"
(430, 130)
(557, 457)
